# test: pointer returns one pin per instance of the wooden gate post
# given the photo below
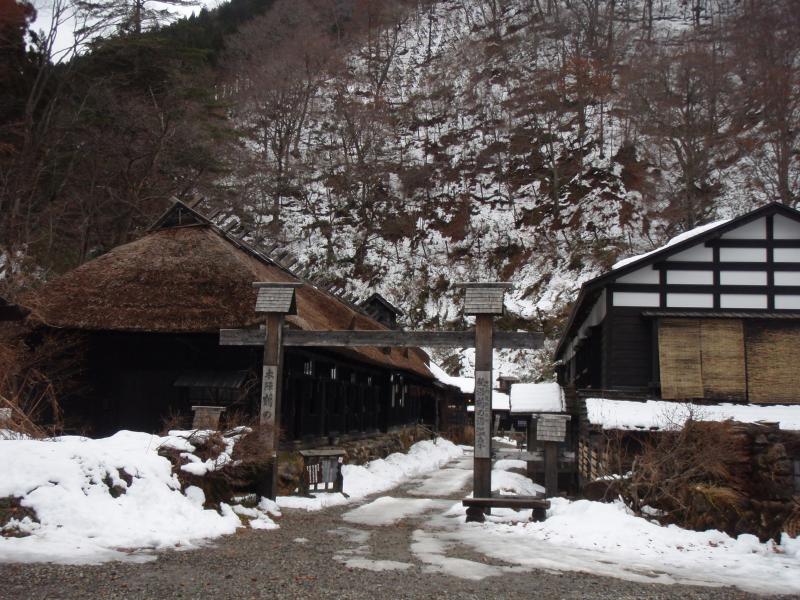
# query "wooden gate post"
(276, 300)
(551, 469)
(485, 301)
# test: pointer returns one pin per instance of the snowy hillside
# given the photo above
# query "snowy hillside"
(480, 140)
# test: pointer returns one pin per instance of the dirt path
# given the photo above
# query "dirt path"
(386, 549)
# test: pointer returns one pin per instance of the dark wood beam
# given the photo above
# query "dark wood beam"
(381, 339)
(706, 289)
(734, 243)
(676, 265)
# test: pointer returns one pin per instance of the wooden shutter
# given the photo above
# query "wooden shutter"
(773, 349)
(723, 364)
(679, 359)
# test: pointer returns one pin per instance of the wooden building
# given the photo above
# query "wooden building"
(151, 311)
(383, 311)
(712, 316)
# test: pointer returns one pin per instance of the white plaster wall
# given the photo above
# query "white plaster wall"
(743, 254)
(743, 278)
(690, 277)
(643, 275)
(787, 277)
(743, 301)
(786, 254)
(784, 228)
(690, 300)
(757, 230)
(649, 299)
(696, 253)
(783, 302)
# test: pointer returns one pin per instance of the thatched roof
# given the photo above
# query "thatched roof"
(190, 279)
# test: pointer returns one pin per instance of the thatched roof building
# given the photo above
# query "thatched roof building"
(189, 276)
(151, 311)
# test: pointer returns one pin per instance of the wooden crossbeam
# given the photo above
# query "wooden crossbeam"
(381, 338)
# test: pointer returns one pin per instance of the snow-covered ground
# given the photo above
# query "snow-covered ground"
(606, 539)
(69, 483)
(116, 498)
(578, 536)
(99, 500)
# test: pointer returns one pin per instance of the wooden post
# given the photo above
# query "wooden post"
(483, 407)
(485, 301)
(276, 300)
(551, 469)
(531, 444)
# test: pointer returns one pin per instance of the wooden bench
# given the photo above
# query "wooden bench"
(322, 470)
(476, 507)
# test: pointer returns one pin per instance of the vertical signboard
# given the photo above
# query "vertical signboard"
(483, 414)
(269, 391)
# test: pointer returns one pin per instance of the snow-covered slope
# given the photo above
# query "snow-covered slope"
(498, 145)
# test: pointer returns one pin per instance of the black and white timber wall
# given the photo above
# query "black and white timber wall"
(714, 316)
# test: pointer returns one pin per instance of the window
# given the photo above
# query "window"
(397, 389)
(308, 368)
(702, 358)
(333, 373)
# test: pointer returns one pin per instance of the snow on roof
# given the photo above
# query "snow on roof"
(659, 414)
(465, 384)
(676, 240)
(500, 401)
(537, 398)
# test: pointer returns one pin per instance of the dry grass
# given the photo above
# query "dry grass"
(703, 476)
(34, 374)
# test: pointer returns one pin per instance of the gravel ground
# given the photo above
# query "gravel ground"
(273, 564)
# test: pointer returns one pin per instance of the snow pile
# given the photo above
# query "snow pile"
(660, 414)
(182, 441)
(260, 515)
(382, 474)
(537, 398)
(106, 499)
(606, 539)
(686, 235)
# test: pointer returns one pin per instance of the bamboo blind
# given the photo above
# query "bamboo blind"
(679, 359)
(772, 353)
(723, 364)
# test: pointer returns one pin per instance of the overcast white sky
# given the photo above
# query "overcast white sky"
(65, 37)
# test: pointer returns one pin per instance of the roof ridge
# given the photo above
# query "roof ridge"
(284, 263)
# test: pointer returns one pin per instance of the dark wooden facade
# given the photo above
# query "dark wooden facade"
(151, 312)
(143, 381)
(712, 317)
